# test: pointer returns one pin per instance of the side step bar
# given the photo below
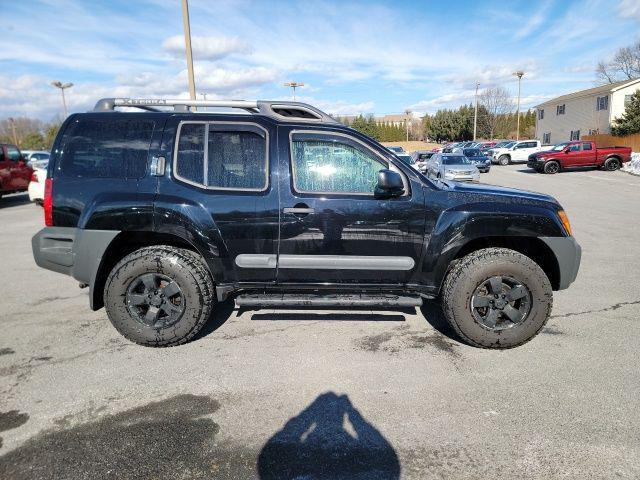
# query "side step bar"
(306, 300)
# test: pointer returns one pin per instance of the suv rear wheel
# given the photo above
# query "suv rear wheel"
(497, 298)
(159, 296)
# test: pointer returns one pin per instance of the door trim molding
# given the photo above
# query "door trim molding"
(325, 262)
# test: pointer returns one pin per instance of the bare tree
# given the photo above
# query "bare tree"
(497, 102)
(624, 65)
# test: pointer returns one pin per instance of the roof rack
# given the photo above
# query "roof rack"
(281, 110)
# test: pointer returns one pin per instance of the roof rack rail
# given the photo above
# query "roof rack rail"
(281, 110)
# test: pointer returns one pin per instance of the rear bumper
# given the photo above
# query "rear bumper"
(568, 254)
(72, 251)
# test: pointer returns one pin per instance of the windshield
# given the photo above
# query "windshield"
(405, 158)
(471, 152)
(559, 147)
(455, 160)
(508, 145)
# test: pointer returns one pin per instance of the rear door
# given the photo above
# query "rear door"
(333, 229)
(220, 193)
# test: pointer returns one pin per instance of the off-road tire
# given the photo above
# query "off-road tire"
(475, 268)
(612, 164)
(182, 266)
(551, 167)
(504, 160)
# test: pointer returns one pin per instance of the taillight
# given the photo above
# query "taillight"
(34, 177)
(48, 202)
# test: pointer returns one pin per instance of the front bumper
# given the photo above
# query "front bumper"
(568, 254)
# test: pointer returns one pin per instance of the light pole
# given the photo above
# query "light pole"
(204, 96)
(293, 85)
(62, 87)
(407, 113)
(13, 129)
(519, 74)
(187, 45)
(475, 116)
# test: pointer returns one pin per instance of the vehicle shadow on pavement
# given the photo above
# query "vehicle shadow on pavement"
(328, 439)
(432, 312)
(14, 200)
(221, 313)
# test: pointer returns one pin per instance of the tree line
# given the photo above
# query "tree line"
(28, 133)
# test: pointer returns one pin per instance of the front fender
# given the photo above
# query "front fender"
(461, 225)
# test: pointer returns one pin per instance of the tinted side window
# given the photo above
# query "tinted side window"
(109, 148)
(330, 166)
(236, 159)
(13, 153)
(586, 146)
(190, 156)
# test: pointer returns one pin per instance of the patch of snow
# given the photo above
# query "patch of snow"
(633, 166)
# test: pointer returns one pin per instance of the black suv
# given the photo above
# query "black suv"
(165, 212)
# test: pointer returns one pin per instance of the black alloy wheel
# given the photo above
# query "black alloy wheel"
(155, 300)
(500, 302)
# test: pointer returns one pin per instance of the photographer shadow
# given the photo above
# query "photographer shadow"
(328, 440)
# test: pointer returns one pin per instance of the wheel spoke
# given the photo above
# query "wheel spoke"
(149, 281)
(171, 289)
(491, 319)
(138, 299)
(171, 309)
(512, 313)
(151, 316)
(517, 292)
(480, 302)
(495, 284)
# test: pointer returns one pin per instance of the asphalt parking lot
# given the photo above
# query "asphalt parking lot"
(330, 394)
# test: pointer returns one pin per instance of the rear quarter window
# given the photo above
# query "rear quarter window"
(106, 148)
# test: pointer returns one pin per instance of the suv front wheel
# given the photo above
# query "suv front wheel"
(497, 298)
(159, 296)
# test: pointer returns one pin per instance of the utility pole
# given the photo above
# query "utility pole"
(407, 113)
(62, 87)
(187, 44)
(293, 85)
(13, 129)
(519, 74)
(475, 116)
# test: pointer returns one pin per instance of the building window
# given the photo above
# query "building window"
(560, 109)
(541, 114)
(627, 100)
(594, 131)
(575, 135)
(602, 103)
(546, 138)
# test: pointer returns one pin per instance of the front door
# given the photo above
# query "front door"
(333, 229)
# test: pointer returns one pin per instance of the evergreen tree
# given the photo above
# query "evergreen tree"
(629, 123)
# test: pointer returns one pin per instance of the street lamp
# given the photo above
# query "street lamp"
(187, 45)
(519, 74)
(407, 112)
(475, 116)
(293, 85)
(62, 87)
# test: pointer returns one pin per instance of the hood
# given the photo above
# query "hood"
(460, 168)
(483, 189)
(544, 153)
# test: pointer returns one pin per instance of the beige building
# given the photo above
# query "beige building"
(586, 112)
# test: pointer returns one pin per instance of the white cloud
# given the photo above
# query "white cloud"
(206, 48)
(629, 8)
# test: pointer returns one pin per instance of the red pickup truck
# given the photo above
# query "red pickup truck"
(14, 171)
(578, 154)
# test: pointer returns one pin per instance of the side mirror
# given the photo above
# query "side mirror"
(389, 184)
(566, 150)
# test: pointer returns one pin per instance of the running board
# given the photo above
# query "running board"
(306, 300)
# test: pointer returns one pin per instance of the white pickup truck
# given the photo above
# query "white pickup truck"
(515, 152)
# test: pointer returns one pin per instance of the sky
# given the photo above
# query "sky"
(370, 57)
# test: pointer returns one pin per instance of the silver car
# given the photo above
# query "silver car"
(449, 166)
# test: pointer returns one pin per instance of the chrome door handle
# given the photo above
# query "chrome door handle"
(297, 210)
